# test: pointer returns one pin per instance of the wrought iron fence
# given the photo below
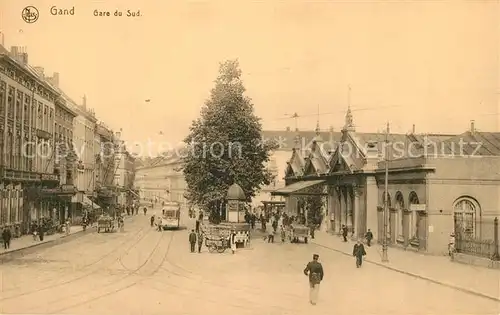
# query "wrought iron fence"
(477, 237)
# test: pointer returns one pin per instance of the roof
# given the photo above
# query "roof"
(286, 139)
(296, 188)
(469, 144)
(235, 192)
(30, 70)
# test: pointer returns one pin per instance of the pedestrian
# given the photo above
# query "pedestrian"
(314, 270)
(159, 223)
(358, 251)
(270, 236)
(67, 227)
(369, 237)
(145, 210)
(344, 232)
(201, 237)
(192, 240)
(312, 229)
(283, 234)
(232, 241)
(41, 232)
(34, 231)
(197, 226)
(163, 211)
(152, 220)
(252, 220)
(6, 237)
(275, 225)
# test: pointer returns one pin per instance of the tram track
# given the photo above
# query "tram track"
(123, 287)
(72, 280)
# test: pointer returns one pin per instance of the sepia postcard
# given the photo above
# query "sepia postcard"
(250, 157)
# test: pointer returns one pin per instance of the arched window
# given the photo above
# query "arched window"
(400, 205)
(413, 200)
(465, 213)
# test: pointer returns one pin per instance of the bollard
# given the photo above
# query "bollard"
(496, 255)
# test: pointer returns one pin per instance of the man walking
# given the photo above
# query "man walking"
(192, 240)
(314, 270)
(369, 237)
(6, 236)
(359, 251)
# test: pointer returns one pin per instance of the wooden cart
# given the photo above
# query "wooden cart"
(105, 223)
(298, 232)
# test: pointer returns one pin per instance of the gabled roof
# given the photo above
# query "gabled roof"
(296, 164)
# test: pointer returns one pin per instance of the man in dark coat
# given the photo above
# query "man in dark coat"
(41, 232)
(152, 220)
(6, 237)
(359, 251)
(197, 226)
(314, 270)
(369, 237)
(192, 240)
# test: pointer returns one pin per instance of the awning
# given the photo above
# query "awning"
(296, 189)
(87, 202)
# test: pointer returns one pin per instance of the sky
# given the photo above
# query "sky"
(434, 64)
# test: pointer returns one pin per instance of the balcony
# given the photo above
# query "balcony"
(43, 134)
(49, 178)
(9, 174)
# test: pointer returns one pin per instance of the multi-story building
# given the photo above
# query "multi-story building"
(161, 180)
(105, 166)
(27, 115)
(65, 156)
(124, 174)
(83, 142)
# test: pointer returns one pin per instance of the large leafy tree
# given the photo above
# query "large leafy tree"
(225, 145)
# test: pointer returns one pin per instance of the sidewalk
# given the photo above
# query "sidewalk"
(437, 269)
(26, 241)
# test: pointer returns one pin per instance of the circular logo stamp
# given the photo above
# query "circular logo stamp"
(30, 14)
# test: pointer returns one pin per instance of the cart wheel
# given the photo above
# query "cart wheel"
(221, 249)
(212, 248)
(305, 240)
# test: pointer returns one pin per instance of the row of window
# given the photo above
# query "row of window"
(23, 107)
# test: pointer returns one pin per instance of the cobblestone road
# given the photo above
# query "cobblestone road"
(143, 271)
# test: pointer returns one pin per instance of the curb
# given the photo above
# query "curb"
(451, 286)
(18, 250)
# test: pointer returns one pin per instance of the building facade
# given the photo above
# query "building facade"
(434, 188)
(125, 173)
(161, 180)
(106, 167)
(27, 116)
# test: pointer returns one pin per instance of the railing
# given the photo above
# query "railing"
(477, 238)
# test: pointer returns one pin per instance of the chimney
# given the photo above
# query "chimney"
(472, 127)
(19, 54)
(287, 128)
(296, 129)
(40, 71)
(55, 79)
(331, 134)
(84, 101)
(413, 129)
(2, 39)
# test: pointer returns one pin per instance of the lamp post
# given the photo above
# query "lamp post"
(385, 257)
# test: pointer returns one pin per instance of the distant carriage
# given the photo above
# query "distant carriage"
(105, 223)
(298, 232)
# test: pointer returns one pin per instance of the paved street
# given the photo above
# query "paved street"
(143, 271)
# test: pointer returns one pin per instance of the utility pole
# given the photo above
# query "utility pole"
(385, 257)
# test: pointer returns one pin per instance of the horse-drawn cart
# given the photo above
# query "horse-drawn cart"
(298, 232)
(105, 223)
